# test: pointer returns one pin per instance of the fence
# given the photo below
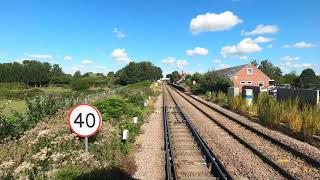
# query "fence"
(305, 96)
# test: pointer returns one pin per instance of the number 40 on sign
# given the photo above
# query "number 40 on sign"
(85, 120)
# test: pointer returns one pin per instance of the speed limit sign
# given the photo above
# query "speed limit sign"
(85, 120)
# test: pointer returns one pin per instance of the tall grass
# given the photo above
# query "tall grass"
(238, 104)
(300, 118)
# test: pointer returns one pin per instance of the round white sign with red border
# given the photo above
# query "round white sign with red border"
(85, 120)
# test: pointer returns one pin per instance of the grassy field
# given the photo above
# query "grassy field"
(16, 105)
(54, 90)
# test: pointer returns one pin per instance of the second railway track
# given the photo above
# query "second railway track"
(289, 164)
(187, 156)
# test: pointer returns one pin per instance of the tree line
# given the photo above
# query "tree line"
(307, 78)
(37, 74)
(32, 73)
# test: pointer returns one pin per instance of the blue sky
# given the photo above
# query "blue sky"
(102, 36)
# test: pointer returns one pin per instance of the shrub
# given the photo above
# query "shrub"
(239, 105)
(13, 86)
(293, 116)
(311, 120)
(112, 108)
(37, 109)
(221, 99)
(80, 84)
(20, 94)
(69, 172)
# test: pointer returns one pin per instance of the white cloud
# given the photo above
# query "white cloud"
(220, 65)
(289, 58)
(38, 56)
(67, 58)
(300, 45)
(181, 63)
(86, 61)
(197, 51)
(262, 39)
(169, 60)
(269, 46)
(120, 55)
(214, 22)
(245, 46)
(289, 62)
(261, 29)
(119, 34)
(243, 57)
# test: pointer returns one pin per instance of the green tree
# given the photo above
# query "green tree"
(270, 70)
(211, 81)
(138, 72)
(77, 74)
(307, 79)
(254, 62)
(174, 76)
(289, 78)
(80, 84)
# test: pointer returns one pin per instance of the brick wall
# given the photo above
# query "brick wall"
(254, 78)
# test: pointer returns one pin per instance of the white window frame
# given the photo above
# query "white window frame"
(261, 82)
(249, 69)
(249, 82)
(242, 82)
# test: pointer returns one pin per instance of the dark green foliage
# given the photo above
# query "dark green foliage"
(209, 81)
(32, 73)
(290, 78)
(174, 76)
(80, 84)
(138, 72)
(307, 79)
(77, 74)
(112, 108)
(270, 70)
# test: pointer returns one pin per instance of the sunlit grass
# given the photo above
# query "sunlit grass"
(15, 105)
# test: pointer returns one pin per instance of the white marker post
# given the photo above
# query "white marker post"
(85, 120)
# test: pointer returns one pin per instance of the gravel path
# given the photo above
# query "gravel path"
(237, 159)
(149, 157)
(294, 143)
(285, 159)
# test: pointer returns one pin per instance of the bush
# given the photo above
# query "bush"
(13, 86)
(37, 109)
(20, 94)
(311, 121)
(80, 84)
(112, 108)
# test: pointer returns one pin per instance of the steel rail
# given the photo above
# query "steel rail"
(266, 159)
(217, 169)
(170, 170)
(312, 161)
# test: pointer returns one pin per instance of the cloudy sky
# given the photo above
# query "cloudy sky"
(102, 36)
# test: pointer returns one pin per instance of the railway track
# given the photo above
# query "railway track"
(287, 161)
(187, 156)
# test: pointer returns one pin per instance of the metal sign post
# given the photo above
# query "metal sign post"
(85, 120)
(86, 144)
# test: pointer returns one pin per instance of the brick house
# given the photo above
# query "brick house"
(245, 75)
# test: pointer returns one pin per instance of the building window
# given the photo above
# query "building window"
(249, 71)
(242, 82)
(261, 83)
(249, 82)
